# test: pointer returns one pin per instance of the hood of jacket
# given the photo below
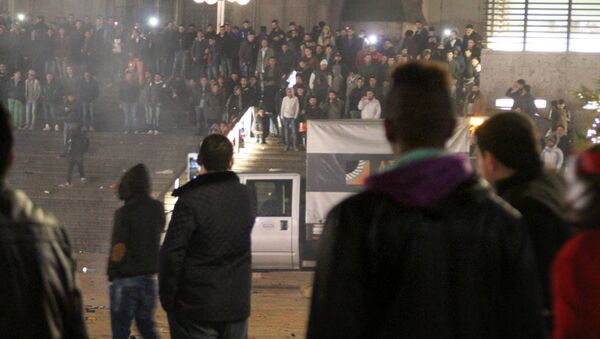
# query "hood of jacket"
(206, 179)
(422, 182)
(135, 183)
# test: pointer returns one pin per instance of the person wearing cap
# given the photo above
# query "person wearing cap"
(576, 270)
(552, 156)
(33, 92)
(508, 157)
(320, 81)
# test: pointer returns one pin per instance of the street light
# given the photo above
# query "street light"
(153, 21)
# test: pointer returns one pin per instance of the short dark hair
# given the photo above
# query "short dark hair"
(215, 153)
(419, 105)
(469, 26)
(6, 140)
(512, 138)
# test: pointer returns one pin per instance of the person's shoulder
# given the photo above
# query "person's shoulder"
(583, 245)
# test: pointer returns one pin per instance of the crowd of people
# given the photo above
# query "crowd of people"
(429, 249)
(212, 74)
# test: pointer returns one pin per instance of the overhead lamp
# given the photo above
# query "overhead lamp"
(540, 103)
(153, 21)
(592, 105)
(505, 104)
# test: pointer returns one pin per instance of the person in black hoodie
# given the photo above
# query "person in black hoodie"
(205, 271)
(77, 145)
(133, 260)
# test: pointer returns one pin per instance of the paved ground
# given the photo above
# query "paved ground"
(279, 302)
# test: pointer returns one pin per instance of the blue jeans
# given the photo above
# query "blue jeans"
(152, 117)
(88, 114)
(289, 123)
(30, 113)
(201, 119)
(183, 328)
(49, 113)
(130, 113)
(133, 298)
(212, 71)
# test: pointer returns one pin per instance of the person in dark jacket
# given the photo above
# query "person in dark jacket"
(133, 261)
(426, 251)
(15, 92)
(517, 173)
(77, 146)
(72, 114)
(40, 296)
(130, 92)
(51, 99)
(88, 90)
(205, 261)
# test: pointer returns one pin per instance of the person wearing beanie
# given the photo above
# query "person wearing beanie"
(320, 81)
(508, 157)
(552, 156)
(576, 270)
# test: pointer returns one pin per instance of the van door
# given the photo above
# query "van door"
(275, 233)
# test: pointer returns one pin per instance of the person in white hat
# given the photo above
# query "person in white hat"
(320, 81)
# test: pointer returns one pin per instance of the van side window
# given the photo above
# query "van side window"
(273, 197)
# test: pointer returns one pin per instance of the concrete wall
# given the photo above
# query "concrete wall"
(454, 14)
(551, 75)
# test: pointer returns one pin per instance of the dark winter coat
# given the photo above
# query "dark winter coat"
(88, 90)
(72, 112)
(15, 89)
(137, 227)
(539, 198)
(130, 92)
(425, 252)
(52, 92)
(40, 296)
(205, 261)
(77, 144)
(214, 106)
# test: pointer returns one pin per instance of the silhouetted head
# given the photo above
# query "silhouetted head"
(216, 153)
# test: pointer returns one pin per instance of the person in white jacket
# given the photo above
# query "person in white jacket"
(369, 107)
(552, 156)
(290, 107)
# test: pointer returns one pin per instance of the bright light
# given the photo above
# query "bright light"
(232, 0)
(447, 32)
(372, 39)
(477, 121)
(243, 2)
(116, 23)
(592, 105)
(292, 80)
(21, 17)
(84, 270)
(211, 2)
(540, 103)
(198, 1)
(153, 21)
(505, 104)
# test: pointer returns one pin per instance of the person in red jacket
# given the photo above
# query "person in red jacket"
(576, 269)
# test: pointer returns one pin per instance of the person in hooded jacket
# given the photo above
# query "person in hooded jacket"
(427, 250)
(133, 260)
(39, 292)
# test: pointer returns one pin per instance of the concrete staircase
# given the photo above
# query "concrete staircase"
(255, 157)
(86, 208)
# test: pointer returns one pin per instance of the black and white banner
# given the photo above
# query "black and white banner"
(341, 154)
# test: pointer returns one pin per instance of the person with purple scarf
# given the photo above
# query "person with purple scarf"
(427, 250)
